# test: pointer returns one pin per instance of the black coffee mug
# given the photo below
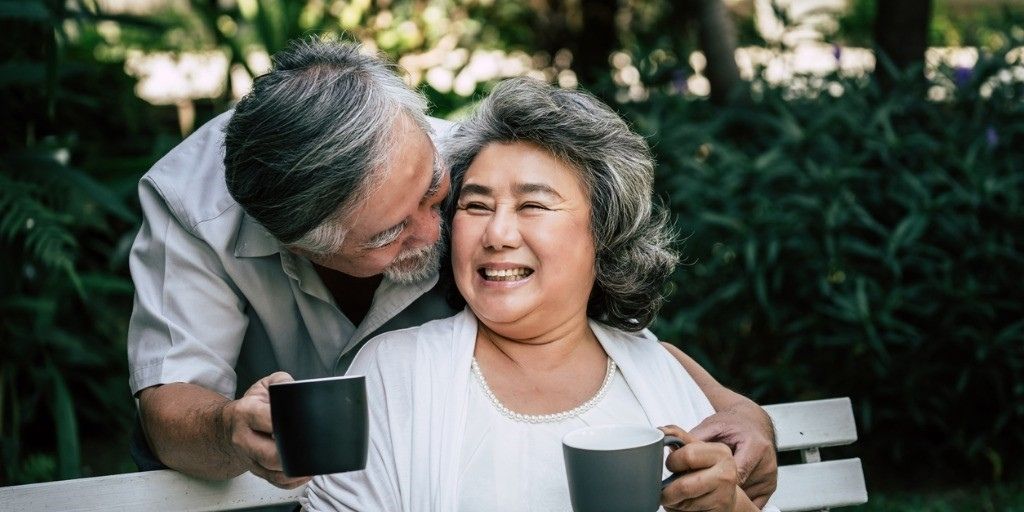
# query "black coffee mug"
(321, 426)
(616, 468)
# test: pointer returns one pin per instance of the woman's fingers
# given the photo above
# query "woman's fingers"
(697, 484)
(684, 436)
(698, 455)
(709, 477)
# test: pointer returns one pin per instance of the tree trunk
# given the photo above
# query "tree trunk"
(717, 38)
(901, 36)
(597, 39)
(585, 28)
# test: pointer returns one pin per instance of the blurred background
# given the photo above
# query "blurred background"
(848, 176)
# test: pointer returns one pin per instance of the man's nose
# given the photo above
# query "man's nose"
(428, 225)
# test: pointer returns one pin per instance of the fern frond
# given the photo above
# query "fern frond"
(42, 232)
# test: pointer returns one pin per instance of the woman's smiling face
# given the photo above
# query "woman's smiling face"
(522, 249)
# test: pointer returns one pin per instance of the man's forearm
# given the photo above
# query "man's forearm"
(184, 424)
(721, 397)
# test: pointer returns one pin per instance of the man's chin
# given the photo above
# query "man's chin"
(414, 269)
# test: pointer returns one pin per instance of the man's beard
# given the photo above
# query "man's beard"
(416, 264)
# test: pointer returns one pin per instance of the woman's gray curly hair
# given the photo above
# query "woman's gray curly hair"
(634, 257)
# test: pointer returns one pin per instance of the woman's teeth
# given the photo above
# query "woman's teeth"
(511, 274)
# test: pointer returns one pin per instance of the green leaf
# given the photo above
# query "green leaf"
(68, 450)
(100, 194)
(48, 163)
(106, 284)
(725, 221)
(907, 232)
(769, 159)
(24, 10)
(22, 73)
(146, 23)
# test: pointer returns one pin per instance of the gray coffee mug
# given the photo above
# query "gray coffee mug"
(616, 468)
(321, 426)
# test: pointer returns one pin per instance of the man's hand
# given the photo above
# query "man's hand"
(248, 430)
(747, 430)
(741, 425)
(201, 433)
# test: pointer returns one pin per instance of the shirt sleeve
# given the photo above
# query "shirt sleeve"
(188, 320)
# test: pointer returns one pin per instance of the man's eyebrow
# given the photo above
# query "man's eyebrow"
(436, 177)
(385, 237)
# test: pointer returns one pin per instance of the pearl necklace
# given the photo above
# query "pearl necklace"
(545, 418)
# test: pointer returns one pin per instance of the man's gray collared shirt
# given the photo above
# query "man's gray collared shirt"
(218, 301)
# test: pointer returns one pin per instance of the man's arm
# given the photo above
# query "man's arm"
(184, 338)
(201, 433)
(739, 423)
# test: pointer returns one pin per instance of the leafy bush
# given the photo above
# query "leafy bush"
(74, 140)
(868, 245)
(1002, 497)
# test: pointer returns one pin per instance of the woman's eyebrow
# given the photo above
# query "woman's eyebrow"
(523, 189)
(473, 188)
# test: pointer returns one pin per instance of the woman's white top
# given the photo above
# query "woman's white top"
(420, 393)
(514, 465)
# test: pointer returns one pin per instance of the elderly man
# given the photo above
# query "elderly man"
(280, 237)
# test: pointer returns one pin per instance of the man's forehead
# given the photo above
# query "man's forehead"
(394, 198)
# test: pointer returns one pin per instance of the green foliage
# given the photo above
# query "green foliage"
(982, 24)
(990, 498)
(73, 143)
(964, 24)
(394, 28)
(865, 245)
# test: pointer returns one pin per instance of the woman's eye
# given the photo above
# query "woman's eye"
(474, 207)
(533, 206)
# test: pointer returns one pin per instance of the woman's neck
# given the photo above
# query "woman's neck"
(542, 352)
(545, 374)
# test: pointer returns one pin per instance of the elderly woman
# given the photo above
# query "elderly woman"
(560, 258)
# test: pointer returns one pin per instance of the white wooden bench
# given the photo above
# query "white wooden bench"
(804, 426)
(816, 485)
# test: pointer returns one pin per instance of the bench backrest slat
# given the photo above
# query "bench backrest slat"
(815, 423)
(820, 485)
(148, 491)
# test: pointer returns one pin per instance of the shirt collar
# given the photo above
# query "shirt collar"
(254, 240)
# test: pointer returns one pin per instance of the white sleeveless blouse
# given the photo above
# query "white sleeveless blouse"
(510, 465)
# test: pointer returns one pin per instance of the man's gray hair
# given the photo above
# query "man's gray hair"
(308, 143)
(633, 241)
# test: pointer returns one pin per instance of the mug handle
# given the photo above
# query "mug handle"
(678, 443)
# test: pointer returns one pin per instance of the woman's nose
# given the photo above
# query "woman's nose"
(502, 231)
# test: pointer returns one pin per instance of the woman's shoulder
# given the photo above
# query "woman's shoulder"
(643, 340)
(398, 349)
(642, 347)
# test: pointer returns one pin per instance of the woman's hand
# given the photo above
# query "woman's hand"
(709, 478)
